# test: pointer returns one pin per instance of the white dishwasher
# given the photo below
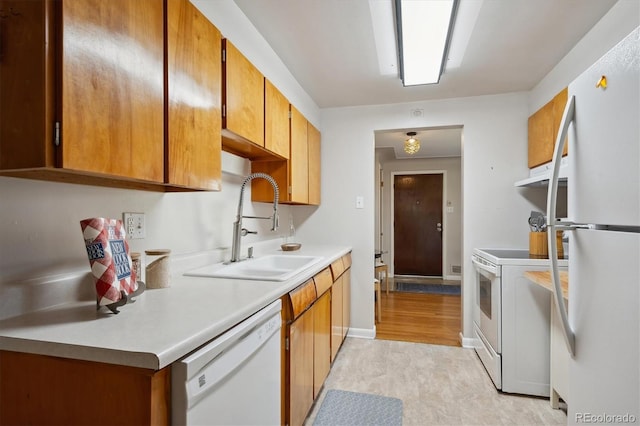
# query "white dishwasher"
(234, 379)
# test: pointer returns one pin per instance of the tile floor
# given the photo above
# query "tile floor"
(439, 385)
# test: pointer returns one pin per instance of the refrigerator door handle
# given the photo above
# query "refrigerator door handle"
(552, 197)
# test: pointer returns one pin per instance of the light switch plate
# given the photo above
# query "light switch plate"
(134, 225)
(359, 202)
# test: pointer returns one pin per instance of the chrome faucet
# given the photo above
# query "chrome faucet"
(238, 230)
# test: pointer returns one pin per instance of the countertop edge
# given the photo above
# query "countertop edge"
(543, 279)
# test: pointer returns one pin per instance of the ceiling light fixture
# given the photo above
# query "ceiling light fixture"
(424, 32)
(411, 145)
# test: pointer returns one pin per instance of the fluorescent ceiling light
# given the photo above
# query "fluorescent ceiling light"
(423, 36)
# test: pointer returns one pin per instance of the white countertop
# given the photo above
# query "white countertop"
(162, 326)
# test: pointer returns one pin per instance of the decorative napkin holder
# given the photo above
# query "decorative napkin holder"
(108, 252)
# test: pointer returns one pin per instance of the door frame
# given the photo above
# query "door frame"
(392, 237)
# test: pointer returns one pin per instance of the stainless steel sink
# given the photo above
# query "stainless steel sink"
(277, 267)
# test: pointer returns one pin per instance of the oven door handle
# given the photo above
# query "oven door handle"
(481, 266)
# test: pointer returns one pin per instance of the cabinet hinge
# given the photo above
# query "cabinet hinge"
(56, 134)
(290, 190)
(286, 343)
(224, 55)
(224, 110)
(289, 115)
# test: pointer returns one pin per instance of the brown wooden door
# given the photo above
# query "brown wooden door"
(418, 224)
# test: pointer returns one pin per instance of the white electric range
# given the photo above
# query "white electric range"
(512, 320)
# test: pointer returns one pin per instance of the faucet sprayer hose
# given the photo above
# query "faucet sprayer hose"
(276, 194)
(237, 225)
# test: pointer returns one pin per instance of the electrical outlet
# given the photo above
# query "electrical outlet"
(134, 225)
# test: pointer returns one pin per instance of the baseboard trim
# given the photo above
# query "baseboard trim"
(362, 333)
(467, 342)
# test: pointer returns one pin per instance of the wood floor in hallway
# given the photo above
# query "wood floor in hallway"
(421, 318)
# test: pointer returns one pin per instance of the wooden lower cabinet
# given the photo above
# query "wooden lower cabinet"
(337, 299)
(321, 341)
(300, 367)
(308, 341)
(346, 302)
(38, 389)
(340, 302)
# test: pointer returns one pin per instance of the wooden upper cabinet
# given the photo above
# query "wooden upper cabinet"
(27, 84)
(543, 130)
(298, 177)
(299, 159)
(313, 139)
(83, 85)
(194, 98)
(276, 125)
(112, 88)
(243, 103)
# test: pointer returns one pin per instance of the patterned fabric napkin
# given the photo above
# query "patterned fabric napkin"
(109, 258)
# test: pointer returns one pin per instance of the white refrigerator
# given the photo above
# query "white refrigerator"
(602, 325)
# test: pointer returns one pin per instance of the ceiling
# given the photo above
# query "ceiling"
(498, 46)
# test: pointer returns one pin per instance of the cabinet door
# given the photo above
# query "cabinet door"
(321, 341)
(313, 139)
(39, 389)
(112, 87)
(346, 302)
(301, 368)
(194, 112)
(276, 125)
(243, 93)
(543, 130)
(337, 297)
(27, 84)
(298, 163)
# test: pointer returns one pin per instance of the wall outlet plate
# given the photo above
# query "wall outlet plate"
(134, 225)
